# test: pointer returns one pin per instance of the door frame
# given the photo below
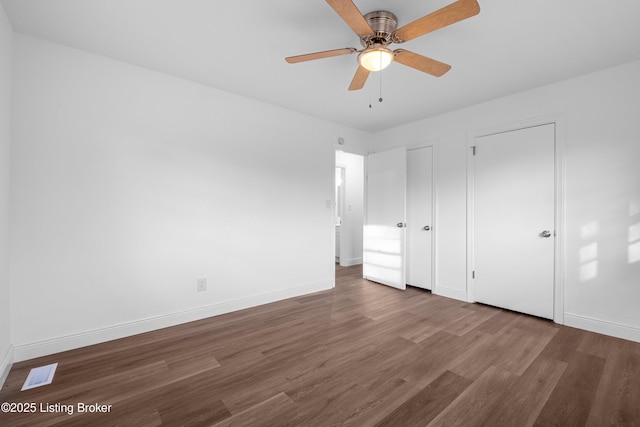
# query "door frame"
(339, 145)
(559, 121)
(339, 202)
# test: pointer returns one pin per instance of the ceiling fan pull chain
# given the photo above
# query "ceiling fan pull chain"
(380, 99)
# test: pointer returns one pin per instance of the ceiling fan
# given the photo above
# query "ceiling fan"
(379, 29)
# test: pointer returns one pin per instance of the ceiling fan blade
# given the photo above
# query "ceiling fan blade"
(455, 12)
(352, 16)
(320, 55)
(360, 78)
(421, 63)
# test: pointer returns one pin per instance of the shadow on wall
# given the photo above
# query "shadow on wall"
(589, 251)
(634, 233)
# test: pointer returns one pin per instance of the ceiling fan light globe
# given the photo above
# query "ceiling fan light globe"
(375, 59)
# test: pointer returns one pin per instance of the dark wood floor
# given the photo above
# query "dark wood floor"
(361, 354)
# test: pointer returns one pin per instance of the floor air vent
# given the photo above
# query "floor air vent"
(40, 376)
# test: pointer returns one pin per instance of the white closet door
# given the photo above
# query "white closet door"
(384, 232)
(514, 220)
(419, 216)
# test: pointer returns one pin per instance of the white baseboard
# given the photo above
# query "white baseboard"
(5, 365)
(350, 262)
(55, 345)
(602, 327)
(448, 292)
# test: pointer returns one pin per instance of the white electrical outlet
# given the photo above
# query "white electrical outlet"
(202, 284)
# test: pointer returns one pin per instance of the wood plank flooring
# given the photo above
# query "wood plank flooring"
(361, 354)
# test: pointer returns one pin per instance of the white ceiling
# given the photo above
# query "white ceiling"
(239, 46)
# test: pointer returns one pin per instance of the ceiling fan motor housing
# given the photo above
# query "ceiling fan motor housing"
(383, 24)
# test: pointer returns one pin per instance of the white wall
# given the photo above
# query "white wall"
(602, 189)
(353, 215)
(129, 185)
(6, 35)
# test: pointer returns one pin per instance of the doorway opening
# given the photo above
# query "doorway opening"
(349, 208)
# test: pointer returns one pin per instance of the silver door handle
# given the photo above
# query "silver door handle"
(400, 224)
(546, 233)
(426, 228)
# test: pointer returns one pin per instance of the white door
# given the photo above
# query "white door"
(419, 216)
(514, 220)
(384, 235)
